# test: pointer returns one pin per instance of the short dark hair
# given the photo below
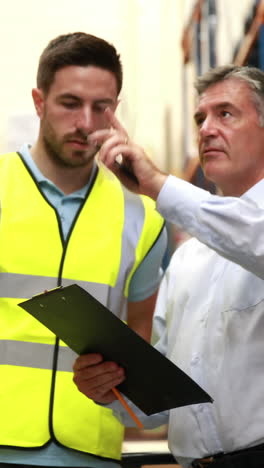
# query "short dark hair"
(78, 49)
(252, 76)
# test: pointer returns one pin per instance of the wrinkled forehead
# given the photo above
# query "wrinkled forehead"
(231, 91)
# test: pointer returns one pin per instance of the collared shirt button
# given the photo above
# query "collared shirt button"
(195, 359)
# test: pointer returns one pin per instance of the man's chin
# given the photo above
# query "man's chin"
(212, 172)
(78, 159)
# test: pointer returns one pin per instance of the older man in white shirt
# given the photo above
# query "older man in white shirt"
(209, 317)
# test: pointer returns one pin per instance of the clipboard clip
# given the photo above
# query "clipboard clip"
(47, 291)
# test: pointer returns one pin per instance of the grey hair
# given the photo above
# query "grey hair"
(254, 77)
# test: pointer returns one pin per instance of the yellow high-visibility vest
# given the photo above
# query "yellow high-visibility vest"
(110, 236)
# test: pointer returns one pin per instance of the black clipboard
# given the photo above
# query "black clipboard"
(153, 382)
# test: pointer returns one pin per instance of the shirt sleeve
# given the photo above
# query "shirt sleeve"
(149, 422)
(147, 277)
(233, 227)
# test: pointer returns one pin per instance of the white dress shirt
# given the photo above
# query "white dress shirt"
(209, 318)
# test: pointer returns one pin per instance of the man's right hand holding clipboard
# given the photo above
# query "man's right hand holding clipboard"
(96, 378)
(93, 377)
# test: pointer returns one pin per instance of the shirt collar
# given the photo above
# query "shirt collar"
(255, 192)
(41, 179)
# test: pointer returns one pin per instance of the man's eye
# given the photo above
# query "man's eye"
(225, 113)
(70, 104)
(199, 121)
(99, 109)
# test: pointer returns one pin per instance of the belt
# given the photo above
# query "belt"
(252, 457)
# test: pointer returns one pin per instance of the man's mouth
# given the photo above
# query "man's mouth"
(211, 151)
(77, 142)
(211, 148)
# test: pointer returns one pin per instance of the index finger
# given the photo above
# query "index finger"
(86, 360)
(113, 120)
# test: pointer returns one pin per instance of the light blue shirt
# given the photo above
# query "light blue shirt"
(144, 283)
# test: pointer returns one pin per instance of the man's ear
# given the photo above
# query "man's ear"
(38, 99)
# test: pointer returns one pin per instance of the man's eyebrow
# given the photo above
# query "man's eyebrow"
(77, 98)
(69, 96)
(104, 101)
(220, 105)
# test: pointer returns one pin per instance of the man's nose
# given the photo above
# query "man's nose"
(85, 119)
(208, 127)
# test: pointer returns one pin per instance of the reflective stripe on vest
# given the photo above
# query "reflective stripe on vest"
(18, 286)
(36, 355)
